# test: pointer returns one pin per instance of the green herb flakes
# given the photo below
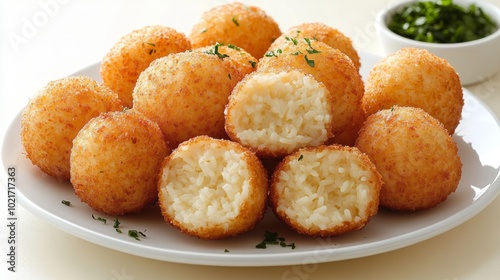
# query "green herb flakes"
(66, 202)
(136, 234)
(235, 21)
(99, 219)
(272, 238)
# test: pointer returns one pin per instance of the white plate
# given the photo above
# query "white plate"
(478, 138)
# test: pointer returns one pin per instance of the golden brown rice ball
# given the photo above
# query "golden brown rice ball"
(349, 134)
(247, 27)
(237, 58)
(276, 113)
(325, 190)
(115, 162)
(212, 188)
(416, 78)
(323, 33)
(415, 155)
(54, 116)
(134, 52)
(185, 93)
(327, 65)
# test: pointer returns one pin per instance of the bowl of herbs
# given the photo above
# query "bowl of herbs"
(464, 32)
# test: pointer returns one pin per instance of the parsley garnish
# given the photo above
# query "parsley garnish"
(226, 251)
(65, 202)
(271, 238)
(293, 40)
(135, 234)
(116, 223)
(215, 51)
(301, 157)
(253, 63)
(99, 219)
(234, 47)
(310, 62)
(235, 21)
(274, 53)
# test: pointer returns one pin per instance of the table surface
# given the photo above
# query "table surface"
(44, 40)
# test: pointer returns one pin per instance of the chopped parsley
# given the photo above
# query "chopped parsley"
(272, 238)
(311, 50)
(253, 63)
(310, 62)
(135, 234)
(99, 219)
(226, 251)
(116, 223)
(442, 22)
(293, 40)
(273, 53)
(301, 157)
(66, 202)
(215, 51)
(152, 50)
(235, 21)
(234, 47)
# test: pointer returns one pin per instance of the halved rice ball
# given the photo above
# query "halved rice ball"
(54, 116)
(115, 161)
(212, 188)
(276, 113)
(415, 155)
(325, 190)
(327, 65)
(133, 53)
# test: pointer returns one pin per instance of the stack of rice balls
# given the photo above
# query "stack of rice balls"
(239, 117)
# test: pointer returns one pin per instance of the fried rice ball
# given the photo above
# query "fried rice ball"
(323, 33)
(54, 116)
(247, 27)
(415, 155)
(236, 58)
(212, 188)
(325, 190)
(185, 93)
(349, 134)
(416, 78)
(327, 65)
(115, 161)
(133, 53)
(276, 113)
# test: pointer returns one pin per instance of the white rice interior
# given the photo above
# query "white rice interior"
(324, 189)
(285, 110)
(205, 184)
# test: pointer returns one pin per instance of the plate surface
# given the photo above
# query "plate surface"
(477, 137)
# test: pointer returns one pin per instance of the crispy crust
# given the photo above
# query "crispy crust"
(415, 155)
(115, 161)
(185, 93)
(248, 27)
(54, 116)
(133, 53)
(323, 33)
(416, 78)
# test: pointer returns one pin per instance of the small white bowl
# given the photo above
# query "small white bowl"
(474, 61)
